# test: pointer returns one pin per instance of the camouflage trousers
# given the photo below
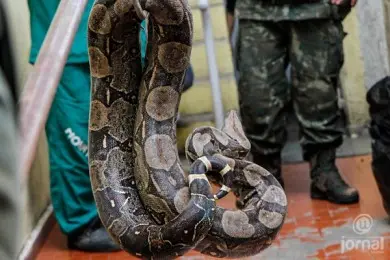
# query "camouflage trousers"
(314, 49)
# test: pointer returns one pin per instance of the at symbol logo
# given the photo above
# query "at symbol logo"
(362, 224)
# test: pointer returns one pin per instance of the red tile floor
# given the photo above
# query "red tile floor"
(313, 229)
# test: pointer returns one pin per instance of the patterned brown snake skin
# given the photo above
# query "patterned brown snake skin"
(148, 204)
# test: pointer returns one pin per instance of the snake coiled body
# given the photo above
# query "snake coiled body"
(148, 204)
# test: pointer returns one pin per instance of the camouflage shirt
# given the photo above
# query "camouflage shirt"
(258, 10)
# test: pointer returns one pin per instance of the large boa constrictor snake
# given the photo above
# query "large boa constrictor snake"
(144, 199)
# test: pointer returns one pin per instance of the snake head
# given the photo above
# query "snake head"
(233, 128)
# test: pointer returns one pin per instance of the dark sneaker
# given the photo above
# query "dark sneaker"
(94, 238)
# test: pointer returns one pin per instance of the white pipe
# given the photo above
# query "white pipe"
(212, 62)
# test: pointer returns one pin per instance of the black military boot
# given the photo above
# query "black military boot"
(326, 181)
(272, 163)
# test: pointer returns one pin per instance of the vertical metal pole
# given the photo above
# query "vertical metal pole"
(219, 114)
(43, 80)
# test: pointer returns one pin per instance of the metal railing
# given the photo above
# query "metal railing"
(42, 82)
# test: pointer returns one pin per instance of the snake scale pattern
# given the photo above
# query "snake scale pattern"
(148, 204)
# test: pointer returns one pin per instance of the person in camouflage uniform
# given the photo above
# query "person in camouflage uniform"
(308, 35)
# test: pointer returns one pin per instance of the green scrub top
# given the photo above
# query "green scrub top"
(41, 15)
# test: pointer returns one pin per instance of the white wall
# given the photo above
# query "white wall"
(20, 30)
(372, 17)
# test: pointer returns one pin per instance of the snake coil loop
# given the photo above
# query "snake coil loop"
(148, 204)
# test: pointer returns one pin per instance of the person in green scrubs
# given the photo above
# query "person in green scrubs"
(67, 135)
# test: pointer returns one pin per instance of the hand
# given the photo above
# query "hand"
(339, 2)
